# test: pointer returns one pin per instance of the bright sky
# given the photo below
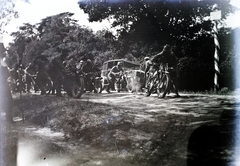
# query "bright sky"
(33, 11)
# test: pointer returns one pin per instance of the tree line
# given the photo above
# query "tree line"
(144, 27)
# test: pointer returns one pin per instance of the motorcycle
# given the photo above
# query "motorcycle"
(104, 83)
(121, 82)
(73, 84)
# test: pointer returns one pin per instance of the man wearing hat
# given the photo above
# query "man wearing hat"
(115, 70)
(79, 65)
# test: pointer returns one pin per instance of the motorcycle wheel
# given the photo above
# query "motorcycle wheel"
(163, 86)
(117, 87)
(78, 89)
(98, 85)
(149, 89)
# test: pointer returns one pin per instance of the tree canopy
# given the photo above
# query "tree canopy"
(157, 20)
(144, 26)
(59, 35)
(191, 39)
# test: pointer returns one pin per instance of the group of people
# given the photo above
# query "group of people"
(89, 71)
(87, 68)
(165, 57)
(21, 79)
(20, 75)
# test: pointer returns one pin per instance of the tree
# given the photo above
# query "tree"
(23, 37)
(156, 20)
(60, 35)
(147, 25)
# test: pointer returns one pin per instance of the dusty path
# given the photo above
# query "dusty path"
(188, 104)
(156, 130)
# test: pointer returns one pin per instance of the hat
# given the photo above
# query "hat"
(146, 58)
(119, 63)
(81, 61)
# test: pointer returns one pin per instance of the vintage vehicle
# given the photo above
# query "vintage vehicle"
(135, 80)
(127, 67)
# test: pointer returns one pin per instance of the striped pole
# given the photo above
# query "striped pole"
(216, 56)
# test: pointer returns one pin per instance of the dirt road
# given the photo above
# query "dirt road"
(175, 122)
(188, 104)
(131, 129)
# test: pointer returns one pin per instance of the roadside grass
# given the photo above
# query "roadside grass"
(75, 118)
(110, 128)
(222, 91)
(104, 127)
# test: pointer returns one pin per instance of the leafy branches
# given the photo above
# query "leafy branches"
(7, 12)
(60, 35)
(153, 20)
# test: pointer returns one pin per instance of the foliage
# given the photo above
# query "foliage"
(59, 35)
(229, 58)
(155, 20)
(7, 12)
(144, 26)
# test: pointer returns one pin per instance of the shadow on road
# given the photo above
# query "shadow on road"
(214, 143)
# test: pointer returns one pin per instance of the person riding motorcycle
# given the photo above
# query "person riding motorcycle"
(165, 57)
(88, 71)
(115, 70)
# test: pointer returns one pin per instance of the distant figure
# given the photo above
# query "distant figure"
(88, 71)
(28, 78)
(56, 73)
(115, 70)
(5, 95)
(79, 65)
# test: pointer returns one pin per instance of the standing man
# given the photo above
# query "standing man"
(115, 70)
(5, 95)
(56, 73)
(79, 65)
(165, 57)
(28, 78)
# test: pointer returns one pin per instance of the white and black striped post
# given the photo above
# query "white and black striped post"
(215, 16)
(216, 57)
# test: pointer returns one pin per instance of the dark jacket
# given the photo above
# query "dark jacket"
(5, 95)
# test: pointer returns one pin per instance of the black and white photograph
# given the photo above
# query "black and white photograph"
(119, 83)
